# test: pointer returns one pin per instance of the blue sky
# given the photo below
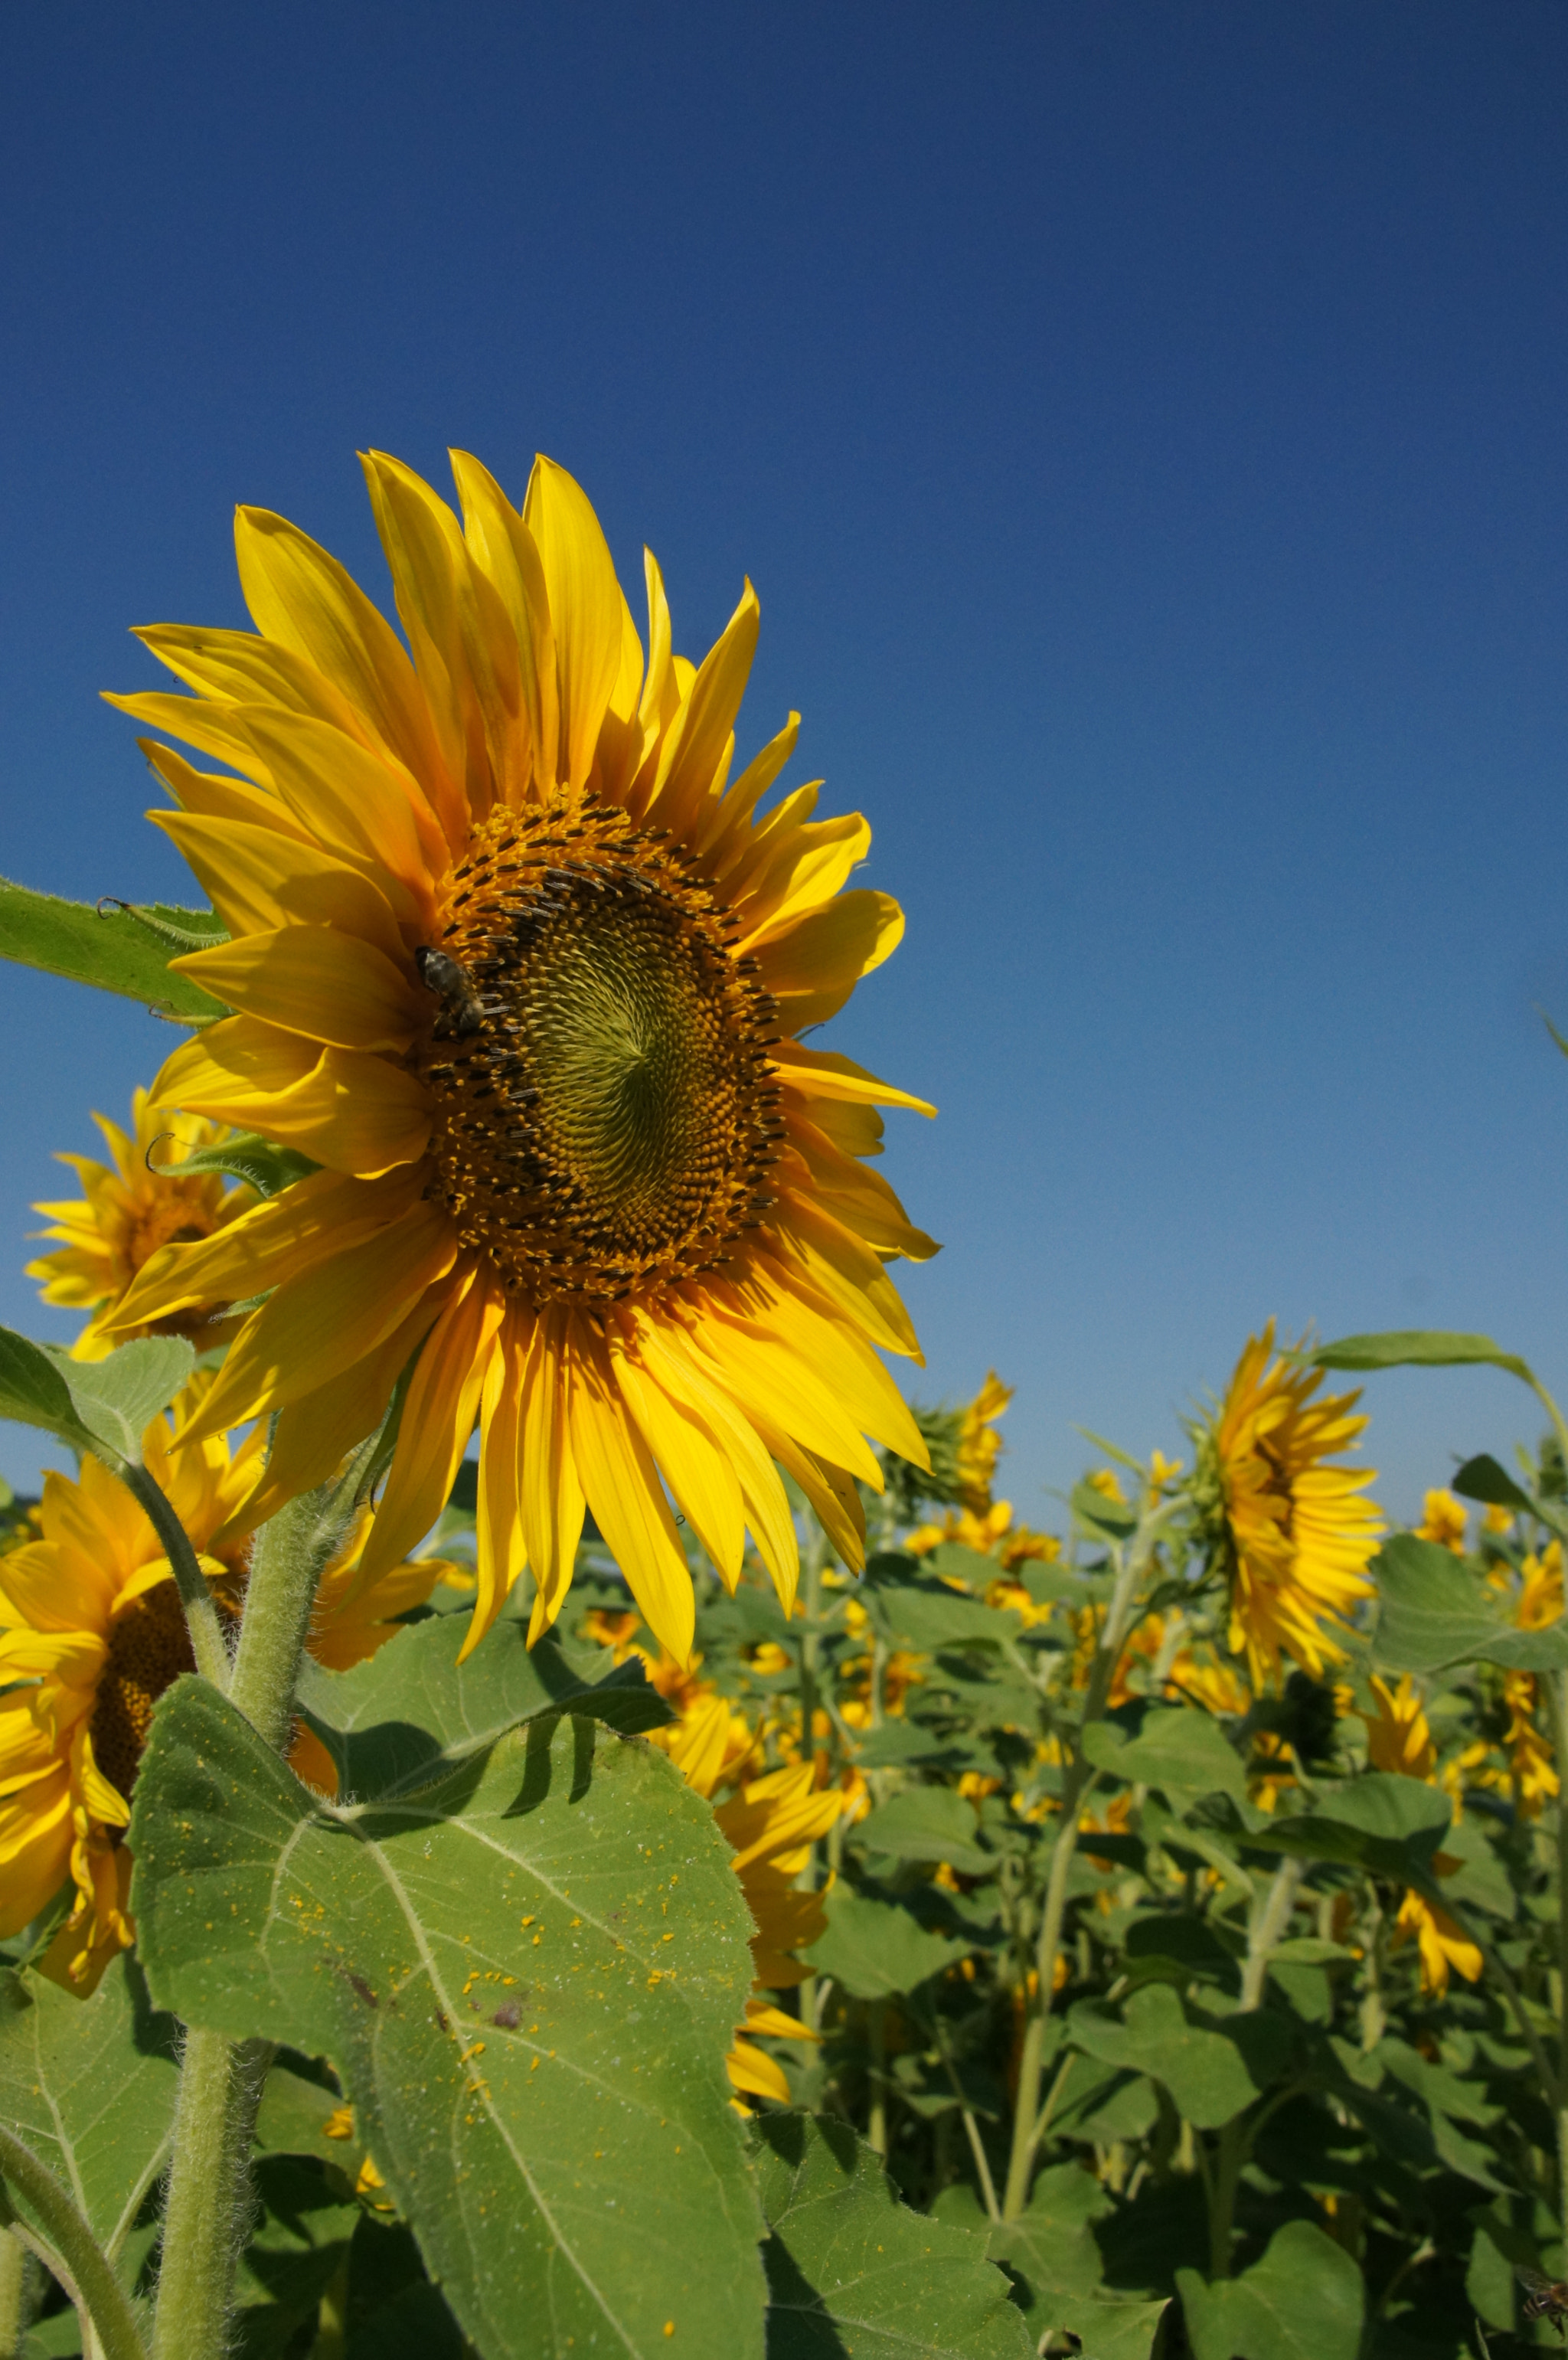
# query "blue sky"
(1143, 426)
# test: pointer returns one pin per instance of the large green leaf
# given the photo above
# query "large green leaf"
(1436, 1612)
(116, 947)
(926, 1615)
(875, 1950)
(525, 1972)
(1381, 1821)
(1174, 1748)
(299, 2239)
(1303, 2301)
(394, 1719)
(1107, 2328)
(90, 2085)
(1205, 2072)
(931, 1823)
(1050, 2249)
(1417, 1347)
(850, 2269)
(97, 1406)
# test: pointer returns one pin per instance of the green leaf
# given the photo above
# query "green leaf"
(1175, 1747)
(1482, 1479)
(931, 1823)
(1205, 2071)
(396, 1721)
(1050, 2249)
(851, 2269)
(927, 1615)
(96, 1405)
(90, 2085)
(1435, 1613)
(1104, 1519)
(117, 949)
(295, 2249)
(260, 1162)
(1417, 1347)
(875, 1950)
(1389, 1824)
(292, 2120)
(1303, 2301)
(524, 1973)
(1109, 2329)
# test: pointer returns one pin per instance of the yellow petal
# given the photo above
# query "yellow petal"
(238, 668)
(813, 965)
(622, 1484)
(763, 1495)
(861, 1200)
(303, 598)
(809, 868)
(313, 980)
(584, 609)
(723, 829)
(258, 880)
(437, 1421)
(550, 1494)
(846, 1364)
(691, 1461)
(692, 752)
(198, 790)
(503, 548)
(360, 805)
(835, 1263)
(350, 1109)
(213, 729)
(823, 1074)
(778, 1388)
(499, 1549)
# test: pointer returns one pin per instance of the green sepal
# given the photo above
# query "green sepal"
(116, 948)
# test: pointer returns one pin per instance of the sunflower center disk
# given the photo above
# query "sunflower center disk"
(149, 1646)
(606, 1113)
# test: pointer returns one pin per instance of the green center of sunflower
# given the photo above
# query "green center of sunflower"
(606, 1114)
(149, 1646)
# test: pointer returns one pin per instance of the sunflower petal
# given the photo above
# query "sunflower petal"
(550, 1494)
(584, 609)
(438, 1419)
(258, 882)
(330, 987)
(622, 1484)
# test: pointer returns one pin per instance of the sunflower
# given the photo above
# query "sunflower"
(1444, 1520)
(126, 1211)
(91, 1632)
(771, 1824)
(1289, 1529)
(517, 963)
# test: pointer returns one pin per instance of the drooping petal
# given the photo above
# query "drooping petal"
(329, 986)
(693, 1462)
(350, 1109)
(438, 1419)
(498, 1536)
(258, 881)
(549, 1491)
(620, 1481)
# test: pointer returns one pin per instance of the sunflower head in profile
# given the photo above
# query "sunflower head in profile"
(127, 1210)
(1290, 1530)
(523, 969)
(92, 1632)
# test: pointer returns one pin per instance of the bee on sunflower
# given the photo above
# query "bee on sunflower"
(524, 972)
(129, 1209)
(92, 1632)
(1289, 1530)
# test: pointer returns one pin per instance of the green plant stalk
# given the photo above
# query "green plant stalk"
(220, 2081)
(1557, 1687)
(204, 2215)
(1235, 2142)
(13, 2291)
(877, 2128)
(1076, 1788)
(331, 2320)
(195, 1590)
(97, 2293)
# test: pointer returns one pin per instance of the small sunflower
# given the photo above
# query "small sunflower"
(518, 963)
(1291, 1531)
(127, 1210)
(771, 1826)
(91, 1632)
(1444, 1519)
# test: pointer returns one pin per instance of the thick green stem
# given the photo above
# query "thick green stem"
(206, 2213)
(1075, 1789)
(876, 2127)
(13, 2293)
(291, 1553)
(1264, 1935)
(195, 1590)
(92, 2286)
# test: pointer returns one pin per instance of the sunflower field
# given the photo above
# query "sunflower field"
(544, 1808)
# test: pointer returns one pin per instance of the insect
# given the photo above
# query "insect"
(1544, 2299)
(462, 1014)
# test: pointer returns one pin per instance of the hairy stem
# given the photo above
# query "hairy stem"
(13, 2293)
(205, 2213)
(291, 1553)
(195, 1591)
(94, 2287)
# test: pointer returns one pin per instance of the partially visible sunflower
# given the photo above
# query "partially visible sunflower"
(1444, 1519)
(523, 968)
(91, 1632)
(127, 1210)
(1290, 1530)
(771, 1826)
(1399, 1737)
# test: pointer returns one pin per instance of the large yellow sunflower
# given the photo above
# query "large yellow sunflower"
(1295, 1532)
(126, 1211)
(92, 1632)
(522, 968)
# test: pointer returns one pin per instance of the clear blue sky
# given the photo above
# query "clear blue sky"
(1144, 425)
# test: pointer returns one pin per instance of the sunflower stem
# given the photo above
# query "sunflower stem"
(97, 2293)
(195, 1591)
(206, 2213)
(1076, 1788)
(292, 1551)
